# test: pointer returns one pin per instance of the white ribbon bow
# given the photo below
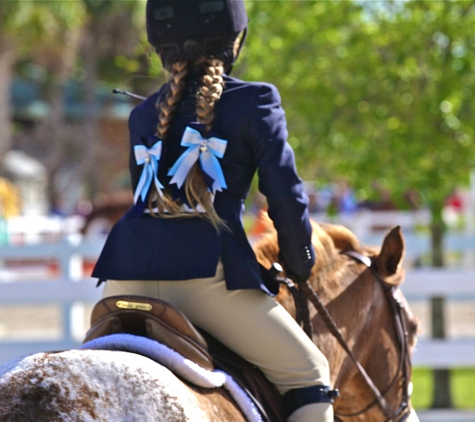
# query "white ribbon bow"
(207, 151)
(150, 158)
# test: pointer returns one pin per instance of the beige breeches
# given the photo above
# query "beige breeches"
(249, 322)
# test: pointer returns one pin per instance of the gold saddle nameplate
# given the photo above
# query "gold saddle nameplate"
(122, 304)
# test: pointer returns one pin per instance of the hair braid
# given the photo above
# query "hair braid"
(211, 88)
(177, 85)
(209, 92)
(167, 108)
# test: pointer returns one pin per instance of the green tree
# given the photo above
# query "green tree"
(428, 64)
(80, 39)
(374, 91)
(108, 27)
(52, 33)
(420, 113)
(304, 48)
(11, 19)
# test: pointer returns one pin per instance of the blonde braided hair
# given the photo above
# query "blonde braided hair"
(210, 91)
(168, 107)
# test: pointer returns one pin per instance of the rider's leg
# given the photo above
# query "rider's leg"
(254, 326)
(315, 412)
(309, 404)
(412, 416)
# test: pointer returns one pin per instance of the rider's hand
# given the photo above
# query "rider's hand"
(296, 278)
(271, 278)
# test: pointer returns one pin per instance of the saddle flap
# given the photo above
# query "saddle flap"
(152, 318)
(251, 379)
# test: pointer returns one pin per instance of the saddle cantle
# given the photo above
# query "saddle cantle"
(161, 321)
(152, 318)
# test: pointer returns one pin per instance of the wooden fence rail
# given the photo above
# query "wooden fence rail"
(69, 287)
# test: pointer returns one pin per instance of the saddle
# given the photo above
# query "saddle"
(159, 320)
(151, 318)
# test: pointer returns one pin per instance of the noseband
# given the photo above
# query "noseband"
(306, 293)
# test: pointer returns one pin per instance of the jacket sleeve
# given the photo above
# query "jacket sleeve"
(279, 182)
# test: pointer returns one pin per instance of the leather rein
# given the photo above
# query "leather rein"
(306, 293)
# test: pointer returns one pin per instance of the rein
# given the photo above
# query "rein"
(307, 293)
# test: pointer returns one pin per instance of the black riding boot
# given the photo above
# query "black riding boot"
(310, 404)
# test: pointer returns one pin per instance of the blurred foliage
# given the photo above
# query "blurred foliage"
(35, 24)
(374, 91)
(462, 380)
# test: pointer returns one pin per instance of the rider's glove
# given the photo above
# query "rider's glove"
(271, 278)
(296, 278)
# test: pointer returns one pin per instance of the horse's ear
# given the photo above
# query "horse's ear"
(389, 261)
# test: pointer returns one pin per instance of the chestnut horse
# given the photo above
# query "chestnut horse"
(96, 385)
(356, 300)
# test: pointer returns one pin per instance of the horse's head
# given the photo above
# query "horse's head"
(390, 331)
(388, 268)
(356, 295)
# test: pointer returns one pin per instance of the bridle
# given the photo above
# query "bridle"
(306, 293)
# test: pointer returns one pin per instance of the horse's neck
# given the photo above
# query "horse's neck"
(333, 279)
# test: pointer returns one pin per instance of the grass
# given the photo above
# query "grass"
(462, 387)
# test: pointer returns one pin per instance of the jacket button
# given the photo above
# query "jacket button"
(306, 254)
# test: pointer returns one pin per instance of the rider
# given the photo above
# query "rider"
(195, 147)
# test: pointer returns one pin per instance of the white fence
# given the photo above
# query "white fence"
(64, 286)
(452, 285)
(70, 289)
(364, 222)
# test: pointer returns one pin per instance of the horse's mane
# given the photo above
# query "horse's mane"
(328, 241)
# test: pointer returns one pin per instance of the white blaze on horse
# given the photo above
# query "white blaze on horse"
(97, 385)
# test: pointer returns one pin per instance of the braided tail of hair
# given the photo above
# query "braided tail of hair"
(210, 91)
(177, 85)
(211, 88)
(167, 108)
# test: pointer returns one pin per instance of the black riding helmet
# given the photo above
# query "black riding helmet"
(187, 29)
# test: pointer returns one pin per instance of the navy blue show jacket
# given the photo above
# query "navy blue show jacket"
(250, 117)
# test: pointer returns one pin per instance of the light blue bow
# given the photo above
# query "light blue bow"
(149, 157)
(208, 151)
